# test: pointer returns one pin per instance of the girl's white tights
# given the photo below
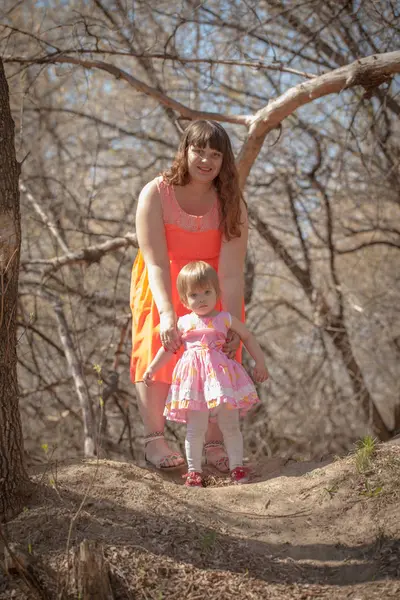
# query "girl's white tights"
(197, 423)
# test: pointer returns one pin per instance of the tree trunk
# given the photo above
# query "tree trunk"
(91, 572)
(334, 326)
(371, 412)
(13, 477)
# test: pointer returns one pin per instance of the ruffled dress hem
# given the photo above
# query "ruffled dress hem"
(176, 410)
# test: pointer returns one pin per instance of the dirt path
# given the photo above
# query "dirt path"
(298, 531)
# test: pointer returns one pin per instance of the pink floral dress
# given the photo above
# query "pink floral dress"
(205, 377)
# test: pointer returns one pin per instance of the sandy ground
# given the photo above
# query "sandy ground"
(299, 530)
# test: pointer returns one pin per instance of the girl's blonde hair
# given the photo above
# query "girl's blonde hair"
(200, 134)
(196, 275)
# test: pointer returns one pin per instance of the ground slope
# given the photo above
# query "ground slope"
(298, 531)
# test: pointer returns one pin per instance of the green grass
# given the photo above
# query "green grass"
(365, 451)
(332, 490)
(371, 491)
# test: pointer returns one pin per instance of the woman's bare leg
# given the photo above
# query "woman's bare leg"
(214, 433)
(216, 455)
(151, 403)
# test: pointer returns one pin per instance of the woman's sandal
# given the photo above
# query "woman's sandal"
(162, 463)
(221, 464)
(193, 479)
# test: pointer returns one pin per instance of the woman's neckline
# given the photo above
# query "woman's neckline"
(189, 214)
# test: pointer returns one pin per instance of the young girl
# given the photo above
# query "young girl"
(205, 381)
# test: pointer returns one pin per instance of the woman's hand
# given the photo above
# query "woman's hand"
(232, 344)
(169, 334)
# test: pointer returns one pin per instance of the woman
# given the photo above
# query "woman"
(194, 211)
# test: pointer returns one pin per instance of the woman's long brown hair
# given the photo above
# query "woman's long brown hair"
(200, 134)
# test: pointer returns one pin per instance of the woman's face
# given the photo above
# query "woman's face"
(204, 164)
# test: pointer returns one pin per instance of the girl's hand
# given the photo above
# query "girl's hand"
(169, 334)
(260, 373)
(147, 377)
(232, 344)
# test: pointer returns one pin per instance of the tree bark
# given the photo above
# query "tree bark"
(13, 477)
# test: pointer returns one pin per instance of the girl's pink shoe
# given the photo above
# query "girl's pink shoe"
(240, 475)
(193, 479)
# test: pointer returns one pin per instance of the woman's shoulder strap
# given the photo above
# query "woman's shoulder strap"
(167, 199)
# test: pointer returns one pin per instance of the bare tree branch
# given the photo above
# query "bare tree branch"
(38, 209)
(373, 70)
(257, 65)
(89, 427)
(137, 84)
(367, 72)
(90, 254)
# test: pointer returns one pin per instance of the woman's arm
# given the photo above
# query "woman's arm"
(253, 347)
(231, 269)
(153, 245)
(231, 277)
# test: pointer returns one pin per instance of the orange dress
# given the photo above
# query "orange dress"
(188, 238)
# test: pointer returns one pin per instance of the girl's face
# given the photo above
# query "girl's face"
(204, 164)
(202, 301)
